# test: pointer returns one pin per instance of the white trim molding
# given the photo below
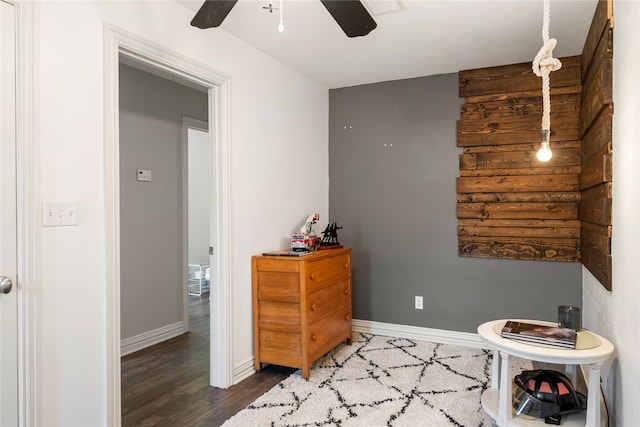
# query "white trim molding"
(442, 336)
(117, 43)
(244, 370)
(28, 195)
(149, 338)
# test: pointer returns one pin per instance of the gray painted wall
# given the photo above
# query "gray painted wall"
(151, 110)
(393, 164)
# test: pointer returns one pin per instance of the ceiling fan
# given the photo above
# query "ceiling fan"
(350, 15)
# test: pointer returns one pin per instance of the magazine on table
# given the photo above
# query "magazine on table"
(539, 334)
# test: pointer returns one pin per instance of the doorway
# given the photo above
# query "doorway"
(155, 181)
(119, 43)
(195, 148)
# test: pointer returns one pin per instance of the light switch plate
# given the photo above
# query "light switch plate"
(59, 213)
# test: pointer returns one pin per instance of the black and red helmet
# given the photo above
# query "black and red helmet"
(543, 393)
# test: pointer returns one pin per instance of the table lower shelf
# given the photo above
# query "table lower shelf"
(490, 402)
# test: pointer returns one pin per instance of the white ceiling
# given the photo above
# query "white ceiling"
(414, 38)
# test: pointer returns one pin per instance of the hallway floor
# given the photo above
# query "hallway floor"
(168, 384)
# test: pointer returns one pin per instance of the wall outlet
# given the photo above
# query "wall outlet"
(419, 303)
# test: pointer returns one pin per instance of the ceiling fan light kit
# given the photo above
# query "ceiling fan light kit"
(350, 15)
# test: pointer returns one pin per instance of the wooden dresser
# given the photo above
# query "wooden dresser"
(301, 307)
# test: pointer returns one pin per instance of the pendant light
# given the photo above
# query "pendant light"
(543, 64)
(281, 26)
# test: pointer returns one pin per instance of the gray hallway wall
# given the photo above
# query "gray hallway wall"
(393, 164)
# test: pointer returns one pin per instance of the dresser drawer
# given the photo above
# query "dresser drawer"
(279, 316)
(329, 331)
(277, 286)
(326, 271)
(280, 348)
(326, 300)
(277, 264)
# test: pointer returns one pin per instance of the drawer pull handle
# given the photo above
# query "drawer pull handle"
(313, 307)
(346, 292)
(346, 265)
(347, 317)
(313, 337)
(312, 275)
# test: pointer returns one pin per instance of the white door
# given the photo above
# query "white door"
(8, 234)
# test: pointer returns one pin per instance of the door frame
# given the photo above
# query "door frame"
(9, 414)
(121, 42)
(28, 210)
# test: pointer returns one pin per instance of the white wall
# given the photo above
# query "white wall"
(615, 314)
(278, 118)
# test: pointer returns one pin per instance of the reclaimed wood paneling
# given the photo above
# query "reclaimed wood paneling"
(598, 263)
(511, 163)
(531, 146)
(597, 236)
(596, 204)
(510, 205)
(597, 169)
(545, 197)
(567, 250)
(596, 117)
(524, 183)
(602, 191)
(596, 211)
(518, 210)
(598, 134)
(601, 21)
(564, 99)
(569, 229)
(597, 86)
(517, 129)
(516, 78)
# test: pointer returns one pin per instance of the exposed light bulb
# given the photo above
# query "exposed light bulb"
(544, 153)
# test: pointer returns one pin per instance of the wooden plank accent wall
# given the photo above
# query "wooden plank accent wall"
(596, 118)
(510, 205)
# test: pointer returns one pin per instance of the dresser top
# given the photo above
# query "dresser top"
(312, 256)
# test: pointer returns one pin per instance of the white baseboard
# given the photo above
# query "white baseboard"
(442, 336)
(244, 370)
(147, 339)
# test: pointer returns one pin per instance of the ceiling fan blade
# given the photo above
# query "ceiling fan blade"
(212, 13)
(351, 16)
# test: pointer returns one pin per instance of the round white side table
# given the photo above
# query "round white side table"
(591, 349)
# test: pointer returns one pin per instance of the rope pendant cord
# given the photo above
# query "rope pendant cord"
(543, 64)
(281, 25)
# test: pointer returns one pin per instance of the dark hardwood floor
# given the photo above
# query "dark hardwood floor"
(168, 384)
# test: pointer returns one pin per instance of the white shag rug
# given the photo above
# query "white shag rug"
(381, 381)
